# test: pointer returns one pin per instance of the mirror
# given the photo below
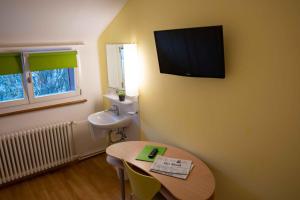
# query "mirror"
(122, 68)
(115, 65)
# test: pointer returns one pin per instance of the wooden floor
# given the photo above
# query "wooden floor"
(89, 179)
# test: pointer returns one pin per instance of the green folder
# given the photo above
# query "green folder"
(143, 155)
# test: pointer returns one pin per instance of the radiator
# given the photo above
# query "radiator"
(27, 152)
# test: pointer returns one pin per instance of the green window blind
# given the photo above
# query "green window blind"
(10, 63)
(52, 60)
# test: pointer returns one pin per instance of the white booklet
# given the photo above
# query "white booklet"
(172, 166)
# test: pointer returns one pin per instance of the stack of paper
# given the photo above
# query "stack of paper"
(172, 167)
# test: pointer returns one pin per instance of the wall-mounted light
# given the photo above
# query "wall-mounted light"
(131, 70)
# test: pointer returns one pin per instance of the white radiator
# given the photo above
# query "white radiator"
(27, 152)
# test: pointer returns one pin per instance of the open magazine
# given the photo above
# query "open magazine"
(172, 167)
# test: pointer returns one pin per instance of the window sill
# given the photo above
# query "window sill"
(22, 109)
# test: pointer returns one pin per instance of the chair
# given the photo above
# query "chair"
(143, 187)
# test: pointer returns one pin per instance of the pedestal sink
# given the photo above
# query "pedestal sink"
(105, 122)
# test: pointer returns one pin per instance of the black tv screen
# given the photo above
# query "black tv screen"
(196, 52)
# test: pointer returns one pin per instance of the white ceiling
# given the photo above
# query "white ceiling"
(55, 20)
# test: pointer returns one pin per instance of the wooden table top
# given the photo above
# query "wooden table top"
(199, 185)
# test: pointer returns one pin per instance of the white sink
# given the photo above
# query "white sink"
(108, 120)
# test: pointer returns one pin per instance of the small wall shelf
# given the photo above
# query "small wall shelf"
(115, 98)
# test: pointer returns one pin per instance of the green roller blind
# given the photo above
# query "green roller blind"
(52, 60)
(10, 63)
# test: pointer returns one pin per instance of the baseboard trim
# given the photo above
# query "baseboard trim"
(90, 154)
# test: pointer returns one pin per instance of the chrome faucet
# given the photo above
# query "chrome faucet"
(114, 109)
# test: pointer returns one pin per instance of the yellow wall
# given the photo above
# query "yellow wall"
(246, 127)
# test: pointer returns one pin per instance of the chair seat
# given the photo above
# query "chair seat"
(144, 187)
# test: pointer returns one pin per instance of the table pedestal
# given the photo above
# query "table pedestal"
(118, 164)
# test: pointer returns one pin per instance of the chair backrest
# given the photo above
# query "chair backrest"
(143, 187)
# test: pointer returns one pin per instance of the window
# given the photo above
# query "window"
(51, 82)
(31, 76)
(11, 87)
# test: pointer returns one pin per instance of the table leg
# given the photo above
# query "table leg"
(118, 164)
(166, 194)
(122, 182)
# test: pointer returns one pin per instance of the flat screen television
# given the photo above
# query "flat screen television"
(195, 52)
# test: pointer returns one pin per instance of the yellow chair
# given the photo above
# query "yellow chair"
(143, 187)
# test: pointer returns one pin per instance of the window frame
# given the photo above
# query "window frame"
(18, 102)
(27, 82)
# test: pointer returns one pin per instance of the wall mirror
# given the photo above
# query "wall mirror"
(122, 68)
(115, 66)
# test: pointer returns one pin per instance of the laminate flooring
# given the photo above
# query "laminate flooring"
(88, 179)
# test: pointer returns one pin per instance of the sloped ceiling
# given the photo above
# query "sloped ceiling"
(55, 20)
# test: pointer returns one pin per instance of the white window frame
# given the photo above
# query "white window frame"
(29, 98)
(18, 102)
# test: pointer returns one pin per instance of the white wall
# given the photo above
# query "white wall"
(41, 21)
